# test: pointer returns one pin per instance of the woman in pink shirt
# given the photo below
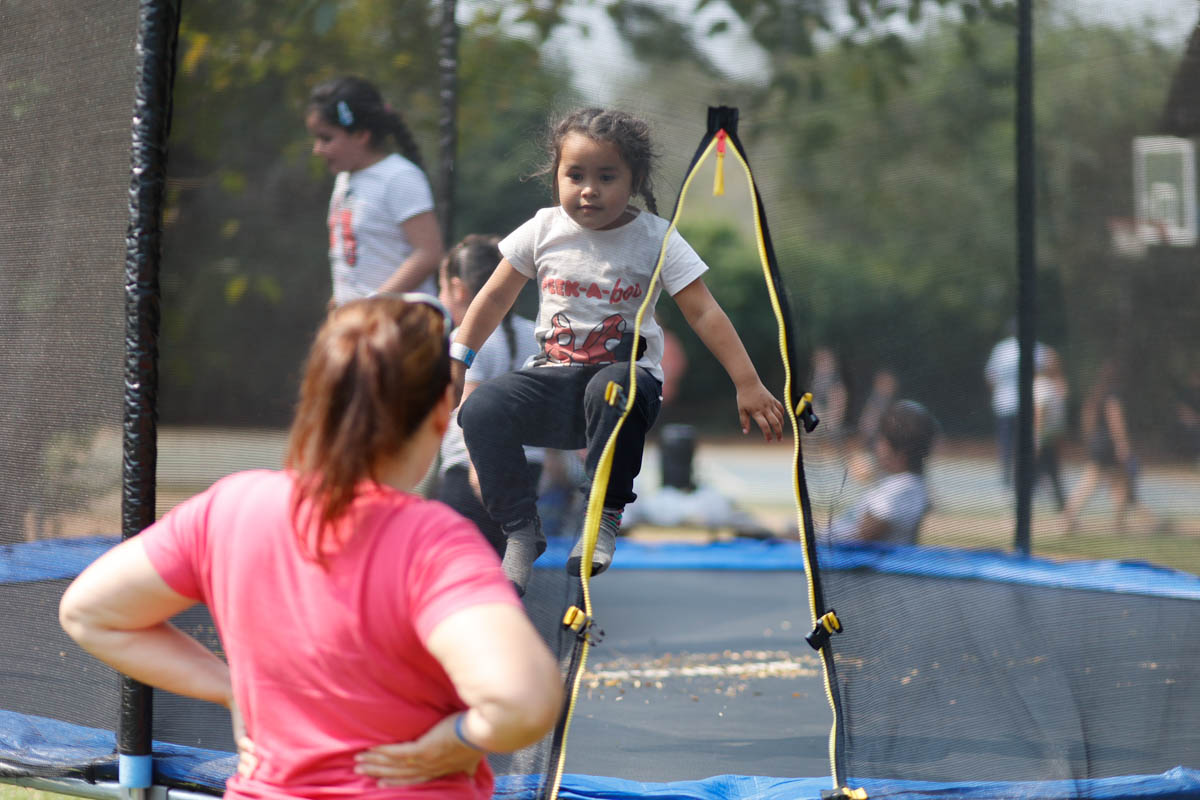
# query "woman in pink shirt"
(354, 614)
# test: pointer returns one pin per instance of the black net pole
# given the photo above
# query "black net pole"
(158, 29)
(1026, 273)
(448, 124)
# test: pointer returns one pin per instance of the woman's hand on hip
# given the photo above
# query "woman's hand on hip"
(438, 752)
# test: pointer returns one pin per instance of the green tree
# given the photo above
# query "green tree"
(893, 212)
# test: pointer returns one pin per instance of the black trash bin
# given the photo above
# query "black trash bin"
(677, 445)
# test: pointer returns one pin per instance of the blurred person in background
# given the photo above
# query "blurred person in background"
(893, 508)
(1110, 455)
(463, 272)
(884, 386)
(1001, 374)
(830, 397)
(1050, 393)
(1187, 417)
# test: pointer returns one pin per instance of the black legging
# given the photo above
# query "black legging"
(455, 490)
(562, 407)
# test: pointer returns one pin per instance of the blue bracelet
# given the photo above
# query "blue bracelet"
(460, 352)
(462, 737)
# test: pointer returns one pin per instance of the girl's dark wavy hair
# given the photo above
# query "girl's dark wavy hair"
(630, 135)
(364, 109)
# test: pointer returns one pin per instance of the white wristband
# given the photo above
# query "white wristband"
(460, 352)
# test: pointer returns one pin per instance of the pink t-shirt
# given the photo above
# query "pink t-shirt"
(328, 662)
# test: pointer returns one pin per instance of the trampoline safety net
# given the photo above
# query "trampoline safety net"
(978, 575)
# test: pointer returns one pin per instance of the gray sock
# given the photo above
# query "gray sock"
(525, 542)
(606, 545)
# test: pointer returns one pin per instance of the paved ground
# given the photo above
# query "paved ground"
(964, 479)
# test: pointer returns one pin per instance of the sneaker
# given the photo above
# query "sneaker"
(524, 543)
(606, 545)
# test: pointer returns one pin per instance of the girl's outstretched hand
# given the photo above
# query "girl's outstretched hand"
(438, 752)
(757, 404)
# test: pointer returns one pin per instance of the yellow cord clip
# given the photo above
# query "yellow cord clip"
(584, 626)
(805, 413)
(828, 624)
(614, 394)
(719, 178)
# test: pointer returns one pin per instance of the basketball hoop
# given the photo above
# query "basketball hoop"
(1131, 237)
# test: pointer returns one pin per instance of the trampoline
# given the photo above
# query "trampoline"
(968, 667)
(715, 692)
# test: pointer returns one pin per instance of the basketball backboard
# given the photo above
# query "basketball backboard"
(1164, 185)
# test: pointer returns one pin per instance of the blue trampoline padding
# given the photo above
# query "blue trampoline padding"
(40, 742)
(65, 558)
(51, 744)
(1126, 577)
(44, 744)
(50, 559)
(1175, 784)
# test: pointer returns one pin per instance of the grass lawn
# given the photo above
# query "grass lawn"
(9, 792)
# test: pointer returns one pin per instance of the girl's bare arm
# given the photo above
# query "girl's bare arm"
(486, 311)
(423, 233)
(712, 325)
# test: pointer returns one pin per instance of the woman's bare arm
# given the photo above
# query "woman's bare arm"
(117, 610)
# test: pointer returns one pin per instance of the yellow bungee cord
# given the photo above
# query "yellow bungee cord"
(720, 138)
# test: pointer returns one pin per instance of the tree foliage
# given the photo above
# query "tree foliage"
(886, 130)
(893, 212)
(246, 278)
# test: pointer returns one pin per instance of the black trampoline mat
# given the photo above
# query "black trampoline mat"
(700, 673)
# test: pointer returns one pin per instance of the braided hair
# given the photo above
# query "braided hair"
(354, 104)
(630, 135)
(473, 260)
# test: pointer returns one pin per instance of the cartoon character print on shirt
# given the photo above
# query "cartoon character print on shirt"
(341, 226)
(608, 342)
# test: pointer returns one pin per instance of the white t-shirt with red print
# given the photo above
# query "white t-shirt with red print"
(592, 283)
(366, 213)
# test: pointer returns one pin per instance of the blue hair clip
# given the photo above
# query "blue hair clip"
(345, 115)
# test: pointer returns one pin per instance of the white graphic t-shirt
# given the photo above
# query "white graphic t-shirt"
(591, 284)
(366, 212)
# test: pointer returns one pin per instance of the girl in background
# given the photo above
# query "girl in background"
(353, 614)
(463, 273)
(383, 234)
(592, 255)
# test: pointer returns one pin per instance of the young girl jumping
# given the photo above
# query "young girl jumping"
(592, 255)
(383, 235)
